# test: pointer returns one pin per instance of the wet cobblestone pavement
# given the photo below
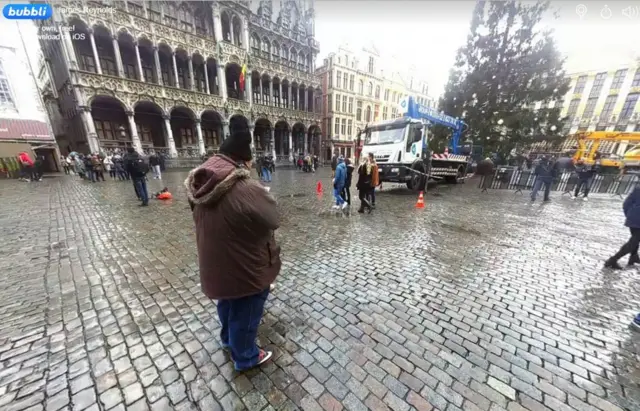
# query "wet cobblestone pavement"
(478, 302)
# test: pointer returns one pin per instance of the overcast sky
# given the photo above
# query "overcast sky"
(428, 33)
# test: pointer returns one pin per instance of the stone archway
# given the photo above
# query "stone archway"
(111, 124)
(313, 139)
(211, 130)
(282, 130)
(150, 125)
(184, 133)
(232, 74)
(298, 132)
(262, 136)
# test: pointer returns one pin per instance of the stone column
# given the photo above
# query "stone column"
(139, 61)
(206, 76)
(95, 51)
(290, 145)
(252, 130)
(217, 23)
(273, 143)
(90, 128)
(175, 70)
(280, 103)
(248, 87)
(67, 46)
(261, 101)
(245, 25)
(222, 81)
(192, 84)
(271, 92)
(135, 140)
(156, 59)
(290, 98)
(170, 141)
(200, 139)
(310, 100)
(231, 30)
(116, 52)
(225, 129)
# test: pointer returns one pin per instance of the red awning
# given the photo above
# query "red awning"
(11, 129)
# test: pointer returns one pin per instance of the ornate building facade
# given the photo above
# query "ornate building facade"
(179, 76)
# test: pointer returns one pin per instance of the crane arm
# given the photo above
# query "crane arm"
(607, 136)
(415, 110)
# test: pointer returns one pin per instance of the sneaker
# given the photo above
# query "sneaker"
(263, 357)
(635, 324)
(634, 259)
(585, 199)
(272, 287)
(345, 205)
(612, 264)
(335, 207)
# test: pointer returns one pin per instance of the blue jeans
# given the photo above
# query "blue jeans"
(337, 193)
(140, 185)
(240, 318)
(266, 174)
(537, 185)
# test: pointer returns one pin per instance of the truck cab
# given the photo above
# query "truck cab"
(399, 147)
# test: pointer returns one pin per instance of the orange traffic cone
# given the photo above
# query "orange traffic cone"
(420, 203)
(319, 187)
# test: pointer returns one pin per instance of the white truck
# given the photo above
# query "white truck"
(400, 147)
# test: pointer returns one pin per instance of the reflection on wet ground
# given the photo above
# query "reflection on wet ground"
(480, 301)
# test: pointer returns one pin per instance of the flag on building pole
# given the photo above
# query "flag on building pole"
(242, 75)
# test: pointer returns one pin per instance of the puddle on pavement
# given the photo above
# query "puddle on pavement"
(461, 229)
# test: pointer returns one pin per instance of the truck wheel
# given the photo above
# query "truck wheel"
(457, 179)
(417, 181)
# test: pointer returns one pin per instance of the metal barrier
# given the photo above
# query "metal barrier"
(513, 179)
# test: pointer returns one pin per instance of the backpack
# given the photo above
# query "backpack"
(140, 165)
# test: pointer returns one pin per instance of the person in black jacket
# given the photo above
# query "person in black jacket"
(346, 191)
(137, 167)
(365, 177)
(154, 163)
(631, 208)
(585, 174)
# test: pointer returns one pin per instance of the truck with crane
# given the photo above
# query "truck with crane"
(590, 142)
(400, 147)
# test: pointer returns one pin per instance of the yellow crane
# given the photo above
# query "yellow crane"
(589, 155)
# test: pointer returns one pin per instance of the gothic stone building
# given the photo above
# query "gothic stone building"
(166, 76)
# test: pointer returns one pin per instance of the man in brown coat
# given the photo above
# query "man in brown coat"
(235, 220)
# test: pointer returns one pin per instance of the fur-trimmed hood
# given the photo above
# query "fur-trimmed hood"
(208, 183)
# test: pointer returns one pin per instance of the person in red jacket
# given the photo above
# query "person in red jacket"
(26, 169)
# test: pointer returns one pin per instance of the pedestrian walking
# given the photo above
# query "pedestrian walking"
(266, 169)
(339, 182)
(585, 174)
(545, 173)
(235, 219)
(79, 166)
(346, 191)
(88, 166)
(364, 185)
(631, 208)
(98, 167)
(375, 179)
(154, 163)
(138, 167)
(334, 164)
(65, 165)
(109, 166)
(26, 166)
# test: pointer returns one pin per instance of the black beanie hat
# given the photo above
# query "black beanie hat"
(238, 146)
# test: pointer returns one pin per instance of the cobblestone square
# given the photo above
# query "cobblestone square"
(480, 301)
